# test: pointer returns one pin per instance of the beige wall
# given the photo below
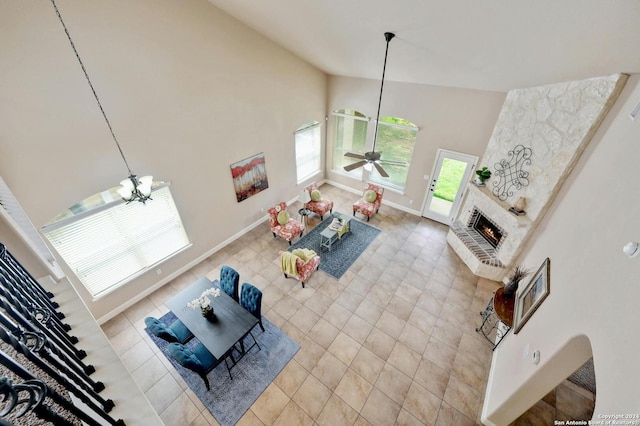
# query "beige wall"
(455, 119)
(188, 91)
(594, 286)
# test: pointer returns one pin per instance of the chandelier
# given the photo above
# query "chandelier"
(133, 188)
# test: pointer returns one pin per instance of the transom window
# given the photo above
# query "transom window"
(107, 242)
(308, 146)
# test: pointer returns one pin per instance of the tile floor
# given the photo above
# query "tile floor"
(391, 342)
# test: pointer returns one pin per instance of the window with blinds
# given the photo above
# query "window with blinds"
(111, 243)
(308, 146)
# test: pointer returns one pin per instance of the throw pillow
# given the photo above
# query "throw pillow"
(283, 217)
(370, 196)
(315, 195)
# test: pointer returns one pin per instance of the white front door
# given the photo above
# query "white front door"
(451, 173)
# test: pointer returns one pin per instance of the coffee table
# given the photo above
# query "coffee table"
(330, 236)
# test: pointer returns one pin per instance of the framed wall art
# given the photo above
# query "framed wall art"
(249, 176)
(531, 296)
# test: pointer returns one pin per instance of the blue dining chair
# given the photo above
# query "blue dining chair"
(176, 332)
(229, 281)
(199, 360)
(251, 300)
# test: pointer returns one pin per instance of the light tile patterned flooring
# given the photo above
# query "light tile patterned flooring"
(392, 342)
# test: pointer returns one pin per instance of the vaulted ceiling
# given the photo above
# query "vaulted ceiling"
(480, 44)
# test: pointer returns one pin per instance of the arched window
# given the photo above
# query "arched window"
(396, 140)
(308, 144)
(350, 136)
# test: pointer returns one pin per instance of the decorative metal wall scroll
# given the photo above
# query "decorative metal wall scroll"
(511, 173)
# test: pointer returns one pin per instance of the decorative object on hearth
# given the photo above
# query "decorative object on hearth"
(132, 188)
(482, 175)
(532, 296)
(518, 274)
(372, 159)
(519, 206)
(511, 173)
(249, 176)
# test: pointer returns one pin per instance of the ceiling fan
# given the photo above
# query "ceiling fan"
(372, 159)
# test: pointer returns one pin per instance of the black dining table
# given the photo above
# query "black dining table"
(229, 325)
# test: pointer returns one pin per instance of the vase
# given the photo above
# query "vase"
(207, 311)
(510, 288)
(521, 204)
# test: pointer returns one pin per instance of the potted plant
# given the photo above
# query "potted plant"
(482, 175)
(518, 274)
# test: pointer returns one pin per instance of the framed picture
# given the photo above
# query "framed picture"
(531, 296)
(249, 176)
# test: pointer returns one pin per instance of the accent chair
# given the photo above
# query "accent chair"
(317, 203)
(370, 202)
(299, 267)
(282, 224)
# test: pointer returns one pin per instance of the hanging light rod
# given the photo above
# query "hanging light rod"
(132, 188)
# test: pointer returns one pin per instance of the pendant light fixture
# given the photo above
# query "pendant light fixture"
(132, 189)
(372, 158)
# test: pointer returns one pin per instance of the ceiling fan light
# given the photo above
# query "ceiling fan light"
(368, 167)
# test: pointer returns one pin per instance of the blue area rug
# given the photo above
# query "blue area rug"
(228, 399)
(343, 252)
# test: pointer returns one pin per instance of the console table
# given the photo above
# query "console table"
(498, 317)
(330, 235)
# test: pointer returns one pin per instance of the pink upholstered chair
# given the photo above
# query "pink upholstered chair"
(317, 204)
(282, 224)
(304, 269)
(370, 202)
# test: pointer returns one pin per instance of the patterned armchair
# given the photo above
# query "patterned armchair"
(303, 267)
(370, 202)
(282, 224)
(316, 203)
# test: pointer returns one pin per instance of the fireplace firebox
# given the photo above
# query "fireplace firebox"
(491, 232)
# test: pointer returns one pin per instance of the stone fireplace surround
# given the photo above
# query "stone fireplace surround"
(557, 122)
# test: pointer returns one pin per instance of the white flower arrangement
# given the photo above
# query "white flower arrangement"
(203, 301)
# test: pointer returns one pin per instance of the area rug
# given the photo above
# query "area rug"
(343, 252)
(228, 399)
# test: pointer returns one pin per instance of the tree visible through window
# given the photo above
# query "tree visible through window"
(308, 146)
(396, 140)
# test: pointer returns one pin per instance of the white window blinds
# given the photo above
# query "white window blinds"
(110, 246)
(308, 150)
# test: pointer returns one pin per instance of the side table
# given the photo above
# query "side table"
(303, 214)
(498, 317)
